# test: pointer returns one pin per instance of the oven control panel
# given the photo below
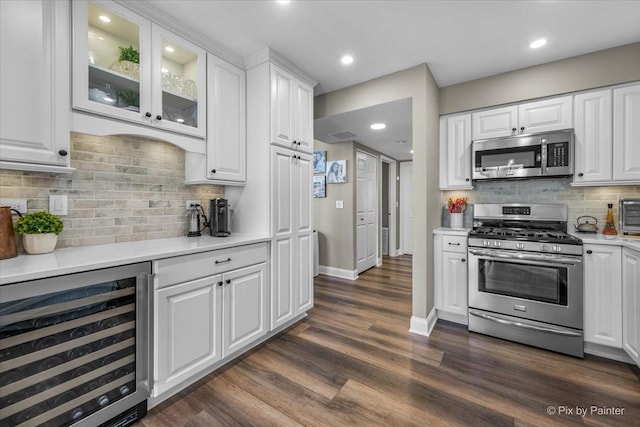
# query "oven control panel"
(516, 210)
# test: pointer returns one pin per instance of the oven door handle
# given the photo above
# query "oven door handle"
(557, 259)
(525, 325)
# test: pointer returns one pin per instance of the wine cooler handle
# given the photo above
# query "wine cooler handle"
(144, 361)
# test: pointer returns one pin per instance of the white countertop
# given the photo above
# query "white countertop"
(632, 242)
(452, 231)
(83, 258)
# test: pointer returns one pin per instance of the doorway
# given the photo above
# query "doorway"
(406, 208)
(389, 208)
(366, 211)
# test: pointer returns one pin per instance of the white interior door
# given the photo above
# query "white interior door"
(366, 211)
(406, 207)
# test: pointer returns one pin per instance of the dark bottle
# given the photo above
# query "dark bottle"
(103, 400)
(80, 371)
(80, 331)
(77, 414)
(107, 341)
(90, 386)
(124, 390)
(47, 384)
(110, 322)
(109, 359)
(7, 353)
(78, 352)
(46, 342)
(65, 397)
(50, 362)
(29, 413)
(10, 377)
(43, 322)
(124, 371)
(106, 379)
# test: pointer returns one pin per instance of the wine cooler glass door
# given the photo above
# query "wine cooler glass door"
(73, 348)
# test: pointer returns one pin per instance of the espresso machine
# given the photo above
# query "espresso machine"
(219, 218)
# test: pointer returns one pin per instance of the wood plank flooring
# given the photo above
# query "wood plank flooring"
(353, 362)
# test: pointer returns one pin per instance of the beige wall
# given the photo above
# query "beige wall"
(416, 83)
(603, 68)
(335, 226)
(124, 188)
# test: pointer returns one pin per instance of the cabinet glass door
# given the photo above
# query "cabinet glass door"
(180, 68)
(110, 76)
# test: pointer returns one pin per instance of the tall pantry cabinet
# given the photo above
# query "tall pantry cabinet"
(277, 196)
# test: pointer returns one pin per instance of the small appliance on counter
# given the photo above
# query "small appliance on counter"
(585, 226)
(219, 214)
(629, 216)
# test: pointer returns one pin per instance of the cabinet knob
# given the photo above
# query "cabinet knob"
(220, 283)
(295, 142)
(463, 260)
(227, 281)
(522, 128)
(63, 153)
(299, 143)
(580, 174)
(213, 171)
(513, 129)
(147, 114)
(466, 179)
(589, 251)
(158, 117)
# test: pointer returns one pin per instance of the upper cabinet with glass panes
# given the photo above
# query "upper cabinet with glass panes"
(126, 67)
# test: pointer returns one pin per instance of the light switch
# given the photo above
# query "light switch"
(339, 204)
(58, 205)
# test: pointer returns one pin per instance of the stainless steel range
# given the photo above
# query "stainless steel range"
(525, 276)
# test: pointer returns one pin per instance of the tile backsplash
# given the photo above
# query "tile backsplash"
(580, 200)
(124, 188)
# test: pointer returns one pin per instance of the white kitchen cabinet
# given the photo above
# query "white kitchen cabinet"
(631, 301)
(291, 111)
(531, 117)
(188, 330)
(244, 307)
(593, 123)
(626, 134)
(455, 152)
(35, 46)
(603, 295)
(226, 129)
(292, 274)
(165, 90)
(451, 277)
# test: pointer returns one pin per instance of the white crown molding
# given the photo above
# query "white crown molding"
(268, 54)
(146, 9)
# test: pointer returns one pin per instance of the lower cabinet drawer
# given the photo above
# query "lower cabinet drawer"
(454, 243)
(190, 267)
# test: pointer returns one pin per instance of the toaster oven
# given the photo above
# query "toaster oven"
(629, 213)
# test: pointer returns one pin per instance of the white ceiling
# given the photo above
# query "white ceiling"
(396, 115)
(459, 40)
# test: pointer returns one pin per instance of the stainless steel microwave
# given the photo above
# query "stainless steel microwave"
(629, 213)
(523, 156)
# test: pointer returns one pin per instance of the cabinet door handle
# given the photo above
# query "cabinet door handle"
(299, 143)
(513, 129)
(158, 117)
(463, 260)
(580, 174)
(223, 261)
(213, 171)
(454, 244)
(63, 153)
(466, 179)
(220, 283)
(589, 251)
(227, 281)
(522, 128)
(147, 114)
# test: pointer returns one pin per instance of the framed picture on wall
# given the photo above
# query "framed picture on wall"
(319, 162)
(337, 172)
(319, 187)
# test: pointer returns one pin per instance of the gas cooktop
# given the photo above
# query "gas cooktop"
(525, 234)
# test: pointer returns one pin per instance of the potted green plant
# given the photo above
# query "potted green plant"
(39, 232)
(131, 98)
(128, 62)
(129, 54)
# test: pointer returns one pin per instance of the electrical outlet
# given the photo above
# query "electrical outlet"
(188, 203)
(17, 204)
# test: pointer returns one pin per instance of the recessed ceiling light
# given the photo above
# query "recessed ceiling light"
(347, 59)
(411, 151)
(538, 43)
(104, 19)
(283, 1)
(378, 126)
(169, 49)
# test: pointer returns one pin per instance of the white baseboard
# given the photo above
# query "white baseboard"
(339, 272)
(422, 326)
(453, 317)
(379, 262)
(608, 352)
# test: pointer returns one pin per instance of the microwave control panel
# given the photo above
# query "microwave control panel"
(558, 154)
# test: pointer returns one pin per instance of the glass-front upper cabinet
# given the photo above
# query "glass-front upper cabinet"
(128, 68)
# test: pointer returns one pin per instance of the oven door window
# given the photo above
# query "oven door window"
(532, 282)
(510, 158)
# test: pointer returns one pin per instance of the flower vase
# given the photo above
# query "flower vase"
(456, 220)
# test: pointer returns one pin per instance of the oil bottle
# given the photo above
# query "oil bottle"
(610, 226)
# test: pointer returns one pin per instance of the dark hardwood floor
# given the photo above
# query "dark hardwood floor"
(352, 361)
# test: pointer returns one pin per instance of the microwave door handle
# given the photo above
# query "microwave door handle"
(543, 151)
(539, 259)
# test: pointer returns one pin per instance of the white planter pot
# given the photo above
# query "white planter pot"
(39, 243)
(457, 220)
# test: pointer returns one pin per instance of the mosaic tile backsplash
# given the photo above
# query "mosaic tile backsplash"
(580, 200)
(124, 188)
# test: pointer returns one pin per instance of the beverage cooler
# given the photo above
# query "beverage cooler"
(74, 349)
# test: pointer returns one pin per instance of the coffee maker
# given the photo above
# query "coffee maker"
(219, 218)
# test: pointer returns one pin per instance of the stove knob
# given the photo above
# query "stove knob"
(486, 243)
(544, 248)
(557, 248)
(519, 245)
(497, 244)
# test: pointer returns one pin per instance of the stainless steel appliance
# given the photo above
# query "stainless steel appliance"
(525, 276)
(523, 156)
(629, 214)
(219, 218)
(74, 349)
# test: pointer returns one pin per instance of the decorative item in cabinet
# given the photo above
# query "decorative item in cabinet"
(75, 353)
